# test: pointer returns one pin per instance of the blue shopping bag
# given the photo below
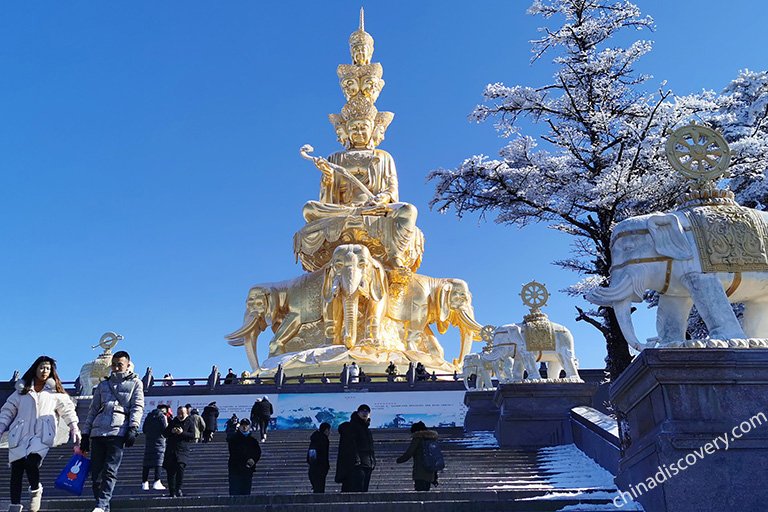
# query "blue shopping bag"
(73, 476)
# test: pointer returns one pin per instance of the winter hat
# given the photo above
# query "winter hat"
(364, 408)
(418, 427)
(245, 421)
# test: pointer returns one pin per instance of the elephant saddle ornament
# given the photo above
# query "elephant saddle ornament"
(730, 238)
(538, 332)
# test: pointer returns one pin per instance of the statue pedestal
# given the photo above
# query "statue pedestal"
(671, 405)
(482, 412)
(535, 415)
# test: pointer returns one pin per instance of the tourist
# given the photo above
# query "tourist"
(210, 417)
(231, 424)
(230, 377)
(356, 459)
(112, 424)
(354, 373)
(39, 400)
(244, 453)
(180, 432)
(317, 457)
(261, 412)
(199, 424)
(422, 476)
(154, 447)
(391, 372)
(421, 372)
(168, 380)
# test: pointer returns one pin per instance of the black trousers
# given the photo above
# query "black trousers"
(145, 473)
(240, 482)
(317, 476)
(357, 480)
(29, 464)
(422, 485)
(175, 476)
(263, 423)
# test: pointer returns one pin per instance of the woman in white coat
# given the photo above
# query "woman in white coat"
(30, 416)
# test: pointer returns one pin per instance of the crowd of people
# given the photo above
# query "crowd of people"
(32, 412)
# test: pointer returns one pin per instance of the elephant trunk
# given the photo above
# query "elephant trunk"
(621, 289)
(349, 332)
(623, 313)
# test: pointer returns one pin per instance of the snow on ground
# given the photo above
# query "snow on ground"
(477, 439)
(568, 468)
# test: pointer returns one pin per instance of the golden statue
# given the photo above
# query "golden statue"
(360, 300)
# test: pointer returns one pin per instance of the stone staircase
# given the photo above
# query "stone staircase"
(478, 477)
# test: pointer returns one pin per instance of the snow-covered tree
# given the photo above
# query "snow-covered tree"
(602, 136)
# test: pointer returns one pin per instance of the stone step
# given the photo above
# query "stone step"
(407, 501)
(477, 478)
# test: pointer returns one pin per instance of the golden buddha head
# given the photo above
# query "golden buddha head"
(371, 83)
(348, 81)
(361, 43)
(360, 115)
(380, 124)
(341, 128)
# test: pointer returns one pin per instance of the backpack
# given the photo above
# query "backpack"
(432, 456)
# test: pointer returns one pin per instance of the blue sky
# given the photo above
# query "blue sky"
(149, 166)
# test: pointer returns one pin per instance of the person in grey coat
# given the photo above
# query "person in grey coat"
(154, 447)
(112, 424)
(199, 423)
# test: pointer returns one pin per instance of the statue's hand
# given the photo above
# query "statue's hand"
(378, 200)
(324, 166)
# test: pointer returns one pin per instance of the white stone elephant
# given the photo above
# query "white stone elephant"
(481, 368)
(561, 358)
(660, 252)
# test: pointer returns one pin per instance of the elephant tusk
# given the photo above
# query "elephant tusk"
(237, 338)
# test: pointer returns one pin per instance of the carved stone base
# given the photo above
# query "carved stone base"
(671, 404)
(482, 412)
(538, 414)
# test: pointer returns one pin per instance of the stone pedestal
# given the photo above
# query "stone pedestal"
(534, 415)
(482, 412)
(671, 405)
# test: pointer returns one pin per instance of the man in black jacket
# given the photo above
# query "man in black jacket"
(356, 459)
(318, 459)
(179, 432)
(261, 412)
(210, 417)
(244, 453)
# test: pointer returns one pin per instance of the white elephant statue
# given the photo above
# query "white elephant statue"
(502, 360)
(509, 337)
(481, 368)
(707, 256)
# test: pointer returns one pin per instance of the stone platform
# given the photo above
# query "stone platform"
(534, 415)
(672, 404)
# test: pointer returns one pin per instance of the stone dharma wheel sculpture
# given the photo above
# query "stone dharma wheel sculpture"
(709, 252)
(360, 300)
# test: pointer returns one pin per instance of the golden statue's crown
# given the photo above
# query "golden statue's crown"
(360, 36)
(359, 108)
